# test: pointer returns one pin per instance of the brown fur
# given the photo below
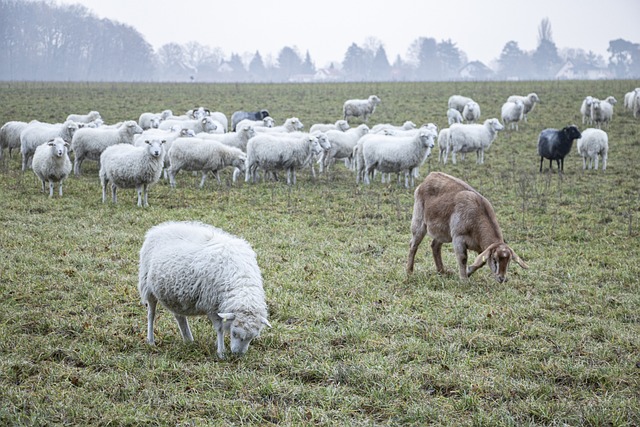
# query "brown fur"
(450, 210)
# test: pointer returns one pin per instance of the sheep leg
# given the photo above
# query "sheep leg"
(584, 163)
(595, 160)
(460, 248)
(218, 326)
(204, 178)
(151, 315)
(42, 182)
(172, 177)
(218, 177)
(50, 188)
(604, 162)
(60, 188)
(145, 194)
(183, 324)
(114, 195)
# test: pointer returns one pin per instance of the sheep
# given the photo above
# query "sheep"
(512, 112)
(292, 124)
(10, 136)
(360, 107)
(267, 122)
(51, 163)
(450, 210)
(37, 133)
(195, 154)
(92, 116)
(630, 97)
(554, 144)
(380, 127)
(276, 152)
(443, 143)
(585, 109)
(127, 166)
(251, 115)
(466, 138)
(150, 120)
(237, 139)
(389, 154)
(341, 125)
(221, 118)
(592, 144)
(342, 144)
(89, 143)
(529, 102)
(458, 102)
(602, 111)
(471, 112)
(168, 136)
(205, 124)
(195, 269)
(636, 105)
(453, 116)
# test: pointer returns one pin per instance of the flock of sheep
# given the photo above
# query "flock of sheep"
(196, 269)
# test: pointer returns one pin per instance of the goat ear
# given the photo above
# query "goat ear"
(480, 260)
(518, 260)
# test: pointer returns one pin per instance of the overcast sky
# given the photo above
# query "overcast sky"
(327, 28)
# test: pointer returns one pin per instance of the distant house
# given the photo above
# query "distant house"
(572, 70)
(476, 70)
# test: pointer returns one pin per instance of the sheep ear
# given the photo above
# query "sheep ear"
(264, 321)
(226, 316)
(163, 141)
(51, 142)
(518, 260)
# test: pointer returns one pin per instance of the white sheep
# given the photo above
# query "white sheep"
(126, 166)
(10, 136)
(168, 136)
(467, 138)
(458, 102)
(273, 152)
(150, 120)
(594, 143)
(237, 139)
(51, 163)
(629, 98)
(396, 154)
(92, 116)
(342, 144)
(341, 125)
(636, 106)
(37, 133)
(88, 143)
(360, 107)
(267, 122)
(195, 154)
(205, 124)
(471, 112)
(292, 124)
(585, 109)
(221, 121)
(602, 111)
(454, 116)
(195, 269)
(512, 112)
(443, 143)
(529, 102)
(380, 127)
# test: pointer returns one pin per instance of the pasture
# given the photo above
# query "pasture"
(354, 340)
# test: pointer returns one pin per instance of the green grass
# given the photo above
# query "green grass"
(354, 340)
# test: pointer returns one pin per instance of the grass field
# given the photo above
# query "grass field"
(354, 340)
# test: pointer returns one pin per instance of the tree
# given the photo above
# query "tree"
(425, 53)
(308, 67)
(355, 64)
(256, 66)
(380, 67)
(545, 58)
(624, 59)
(450, 59)
(289, 62)
(513, 62)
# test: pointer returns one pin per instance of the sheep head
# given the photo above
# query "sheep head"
(572, 132)
(242, 328)
(498, 255)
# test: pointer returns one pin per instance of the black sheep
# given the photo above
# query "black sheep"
(554, 144)
(249, 115)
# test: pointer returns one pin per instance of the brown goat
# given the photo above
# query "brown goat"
(450, 210)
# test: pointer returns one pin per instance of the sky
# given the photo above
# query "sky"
(326, 29)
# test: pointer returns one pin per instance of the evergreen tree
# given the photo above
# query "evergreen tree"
(380, 67)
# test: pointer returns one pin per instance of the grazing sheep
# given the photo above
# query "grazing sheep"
(467, 138)
(342, 144)
(237, 116)
(10, 136)
(512, 112)
(88, 143)
(237, 139)
(292, 124)
(443, 143)
(454, 116)
(37, 133)
(554, 144)
(126, 166)
(273, 152)
(51, 163)
(341, 125)
(592, 144)
(450, 210)
(529, 102)
(267, 122)
(471, 112)
(195, 154)
(360, 107)
(458, 102)
(195, 269)
(380, 127)
(389, 154)
(602, 111)
(92, 116)
(205, 124)
(585, 109)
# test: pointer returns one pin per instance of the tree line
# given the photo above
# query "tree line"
(47, 42)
